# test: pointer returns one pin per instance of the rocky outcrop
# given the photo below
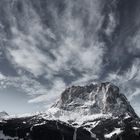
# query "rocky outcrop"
(3, 114)
(102, 98)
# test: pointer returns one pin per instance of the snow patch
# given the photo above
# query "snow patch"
(117, 131)
(136, 128)
(127, 116)
(75, 117)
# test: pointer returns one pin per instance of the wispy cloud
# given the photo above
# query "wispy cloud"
(128, 81)
(51, 94)
(30, 86)
(76, 50)
(135, 94)
(64, 47)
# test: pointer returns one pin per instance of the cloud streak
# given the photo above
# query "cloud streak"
(77, 42)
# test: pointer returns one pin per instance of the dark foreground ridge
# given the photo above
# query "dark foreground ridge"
(115, 118)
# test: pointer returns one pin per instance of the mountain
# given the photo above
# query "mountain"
(93, 112)
(101, 98)
(3, 114)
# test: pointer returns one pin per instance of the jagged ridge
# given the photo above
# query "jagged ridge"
(102, 98)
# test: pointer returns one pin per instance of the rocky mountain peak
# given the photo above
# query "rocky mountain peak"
(100, 98)
(3, 114)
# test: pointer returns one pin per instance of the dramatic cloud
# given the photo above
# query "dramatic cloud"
(51, 94)
(128, 82)
(28, 85)
(77, 53)
(50, 45)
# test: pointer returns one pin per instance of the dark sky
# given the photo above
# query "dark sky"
(48, 45)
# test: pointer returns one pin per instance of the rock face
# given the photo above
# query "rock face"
(95, 99)
(94, 112)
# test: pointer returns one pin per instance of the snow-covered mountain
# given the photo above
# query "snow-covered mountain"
(94, 99)
(93, 112)
(3, 114)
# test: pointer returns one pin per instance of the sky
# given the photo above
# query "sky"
(49, 45)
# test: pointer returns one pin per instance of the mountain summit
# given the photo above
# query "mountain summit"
(3, 114)
(93, 112)
(102, 98)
